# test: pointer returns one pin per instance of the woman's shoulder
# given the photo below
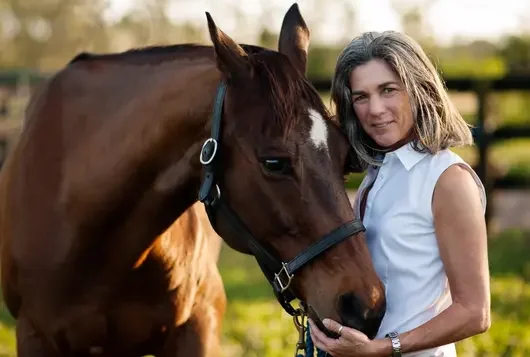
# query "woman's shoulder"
(456, 176)
(459, 186)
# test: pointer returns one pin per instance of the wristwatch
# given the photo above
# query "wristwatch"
(396, 344)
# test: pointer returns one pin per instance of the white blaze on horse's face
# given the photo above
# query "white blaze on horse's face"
(319, 130)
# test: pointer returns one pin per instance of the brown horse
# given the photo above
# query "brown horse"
(103, 252)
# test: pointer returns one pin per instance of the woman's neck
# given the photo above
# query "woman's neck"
(410, 136)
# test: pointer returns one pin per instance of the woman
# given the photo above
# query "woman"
(422, 205)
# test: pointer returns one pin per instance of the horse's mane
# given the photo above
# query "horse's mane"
(155, 54)
(289, 92)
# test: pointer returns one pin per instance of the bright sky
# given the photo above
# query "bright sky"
(488, 19)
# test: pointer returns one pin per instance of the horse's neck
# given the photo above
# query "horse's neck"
(142, 171)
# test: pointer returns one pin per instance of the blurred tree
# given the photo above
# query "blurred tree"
(160, 25)
(268, 39)
(516, 53)
(478, 59)
(44, 34)
(132, 30)
(322, 60)
(414, 23)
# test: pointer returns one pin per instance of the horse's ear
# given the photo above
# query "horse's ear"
(294, 38)
(231, 58)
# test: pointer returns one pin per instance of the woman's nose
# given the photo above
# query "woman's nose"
(377, 106)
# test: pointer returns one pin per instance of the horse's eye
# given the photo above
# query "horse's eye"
(277, 165)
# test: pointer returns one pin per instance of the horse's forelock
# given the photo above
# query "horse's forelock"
(288, 93)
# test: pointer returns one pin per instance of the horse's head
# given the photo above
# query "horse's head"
(282, 174)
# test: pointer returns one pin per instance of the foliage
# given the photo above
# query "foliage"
(321, 61)
(509, 334)
(516, 52)
(510, 108)
(465, 66)
(7, 336)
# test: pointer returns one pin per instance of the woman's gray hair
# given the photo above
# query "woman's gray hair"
(437, 123)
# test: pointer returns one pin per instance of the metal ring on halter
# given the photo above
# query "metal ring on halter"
(218, 192)
(212, 156)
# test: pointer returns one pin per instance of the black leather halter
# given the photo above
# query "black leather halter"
(278, 273)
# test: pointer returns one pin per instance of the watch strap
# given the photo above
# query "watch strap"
(396, 344)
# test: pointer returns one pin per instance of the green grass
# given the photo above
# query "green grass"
(7, 336)
(255, 325)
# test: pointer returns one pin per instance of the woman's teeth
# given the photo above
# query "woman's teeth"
(382, 125)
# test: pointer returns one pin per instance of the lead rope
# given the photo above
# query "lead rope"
(305, 343)
(309, 349)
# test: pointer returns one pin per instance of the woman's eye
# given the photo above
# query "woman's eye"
(359, 98)
(277, 165)
(389, 90)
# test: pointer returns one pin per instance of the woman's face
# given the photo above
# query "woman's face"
(381, 103)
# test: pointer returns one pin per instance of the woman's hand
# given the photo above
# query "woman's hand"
(351, 343)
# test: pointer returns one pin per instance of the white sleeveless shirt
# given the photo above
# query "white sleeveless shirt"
(401, 238)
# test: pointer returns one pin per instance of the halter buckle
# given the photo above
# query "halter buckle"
(210, 155)
(278, 278)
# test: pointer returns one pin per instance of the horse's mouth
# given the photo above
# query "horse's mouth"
(313, 315)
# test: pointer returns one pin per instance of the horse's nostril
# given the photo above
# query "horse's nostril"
(348, 304)
(355, 315)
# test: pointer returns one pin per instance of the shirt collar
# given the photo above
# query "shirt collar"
(407, 155)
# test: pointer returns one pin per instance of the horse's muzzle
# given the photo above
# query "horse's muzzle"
(356, 315)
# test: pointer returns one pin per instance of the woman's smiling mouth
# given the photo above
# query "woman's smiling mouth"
(382, 125)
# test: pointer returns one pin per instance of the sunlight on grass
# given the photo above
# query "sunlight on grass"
(7, 341)
(255, 324)
(253, 329)
(509, 334)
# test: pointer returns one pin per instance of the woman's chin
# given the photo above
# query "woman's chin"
(390, 142)
(386, 143)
